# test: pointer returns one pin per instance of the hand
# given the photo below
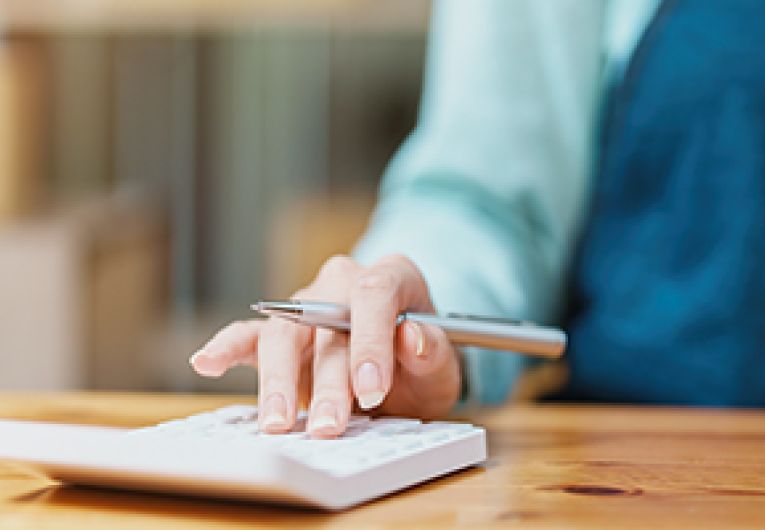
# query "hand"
(410, 369)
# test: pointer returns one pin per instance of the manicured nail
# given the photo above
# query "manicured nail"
(274, 413)
(324, 418)
(369, 385)
(205, 365)
(420, 351)
(196, 356)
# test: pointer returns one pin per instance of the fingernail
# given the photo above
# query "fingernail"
(196, 356)
(369, 385)
(324, 418)
(274, 412)
(205, 365)
(420, 351)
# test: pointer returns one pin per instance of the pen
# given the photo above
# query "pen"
(461, 330)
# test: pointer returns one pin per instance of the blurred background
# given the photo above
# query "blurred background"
(163, 163)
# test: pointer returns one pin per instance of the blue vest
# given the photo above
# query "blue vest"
(668, 289)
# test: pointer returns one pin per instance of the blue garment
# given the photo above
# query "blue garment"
(669, 287)
(488, 193)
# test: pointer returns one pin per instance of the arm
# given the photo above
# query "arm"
(484, 197)
(486, 194)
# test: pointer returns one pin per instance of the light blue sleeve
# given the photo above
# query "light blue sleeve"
(486, 194)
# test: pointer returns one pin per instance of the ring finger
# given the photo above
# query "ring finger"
(331, 402)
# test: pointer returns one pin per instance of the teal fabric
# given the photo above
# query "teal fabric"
(487, 193)
(669, 292)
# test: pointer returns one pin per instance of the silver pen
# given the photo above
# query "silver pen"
(461, 330)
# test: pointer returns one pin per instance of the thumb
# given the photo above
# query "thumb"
(422, 349)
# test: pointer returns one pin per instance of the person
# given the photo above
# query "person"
(649, 117)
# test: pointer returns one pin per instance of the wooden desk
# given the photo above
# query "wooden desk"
(550, 467)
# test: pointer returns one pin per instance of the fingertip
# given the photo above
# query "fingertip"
(207, 365)
(370, 400)
(274, 424)
(273, 416)
(324, 422)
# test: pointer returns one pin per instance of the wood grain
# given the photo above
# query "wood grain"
(549, 467)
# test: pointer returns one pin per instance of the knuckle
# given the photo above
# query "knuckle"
(228, 332)
(330, 345)
(397, 259)
(239, 326)
(283, 327)
(378, 280)
(408, 268)
(368, 347)
(337, 393)
(274, 382)
(337, 264)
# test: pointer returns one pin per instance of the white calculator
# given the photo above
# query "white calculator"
(223, 454)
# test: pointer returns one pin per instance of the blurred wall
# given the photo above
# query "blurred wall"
(160, 182)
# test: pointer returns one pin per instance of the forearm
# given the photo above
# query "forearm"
(487, 193)
(474, 262)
